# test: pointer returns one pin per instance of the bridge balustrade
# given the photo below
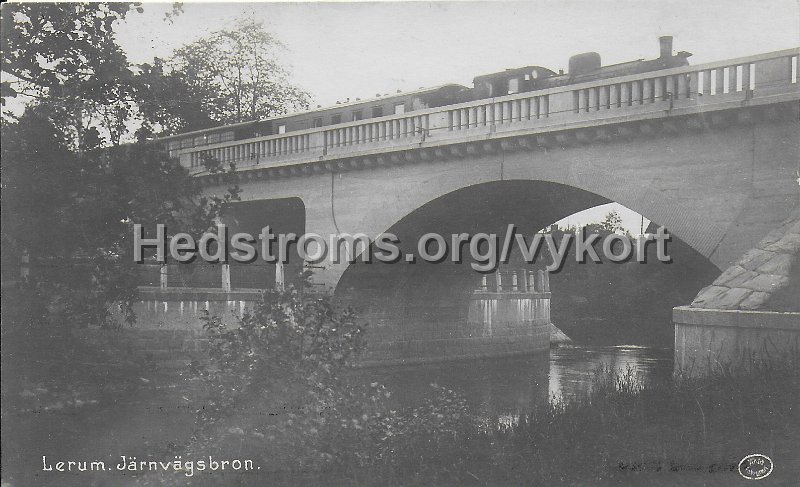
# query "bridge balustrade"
(721, 83)
(375, 130)
(516, 281)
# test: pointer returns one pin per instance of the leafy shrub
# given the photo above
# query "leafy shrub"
(291, 344)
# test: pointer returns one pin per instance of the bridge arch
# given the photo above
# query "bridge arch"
(402, 301)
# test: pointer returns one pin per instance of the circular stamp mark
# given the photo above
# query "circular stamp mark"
(755, 466)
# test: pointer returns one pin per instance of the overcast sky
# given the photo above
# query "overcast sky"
(340, 50)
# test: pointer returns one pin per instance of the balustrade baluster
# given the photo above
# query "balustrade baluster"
(647, 91)
(526, 108)
(482, 115)
(604, 96)
(589, 98)
(658, 89)
(672, 87)
(625, 94)
(705, 82)
(637, 94)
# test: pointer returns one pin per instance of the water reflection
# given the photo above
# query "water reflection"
(572, 367)
(504, 388)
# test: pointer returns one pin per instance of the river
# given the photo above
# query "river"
(504, 388)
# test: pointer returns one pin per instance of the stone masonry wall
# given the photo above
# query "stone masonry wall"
(751, 313)
(759, 275)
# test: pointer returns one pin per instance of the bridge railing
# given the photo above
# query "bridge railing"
(719, 83)
(397, 129)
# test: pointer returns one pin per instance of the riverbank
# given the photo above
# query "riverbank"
(624, 432)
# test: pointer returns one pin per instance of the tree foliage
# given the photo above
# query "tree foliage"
(64, 56)
(70, 192)
(73, 213)
(235, 74)
(291, 342)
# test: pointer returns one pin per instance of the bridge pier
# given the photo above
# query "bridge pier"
(502, 319)
(750, 314)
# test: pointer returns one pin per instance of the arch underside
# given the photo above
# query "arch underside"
(409, 301)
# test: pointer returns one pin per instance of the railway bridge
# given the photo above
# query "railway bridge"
(708, 151)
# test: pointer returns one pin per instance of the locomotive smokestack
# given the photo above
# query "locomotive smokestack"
(665, 44)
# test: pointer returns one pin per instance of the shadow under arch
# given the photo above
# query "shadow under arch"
(418, 301)
(282, 216)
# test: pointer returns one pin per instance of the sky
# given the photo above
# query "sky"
(343, 50)
(339, 50)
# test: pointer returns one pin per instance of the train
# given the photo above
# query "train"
(581, 68)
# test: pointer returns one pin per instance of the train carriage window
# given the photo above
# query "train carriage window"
(377, 112)
(399, 108)
(357, 115)
(336, 119)
(282, 128)
(513, 86)
(317, 122)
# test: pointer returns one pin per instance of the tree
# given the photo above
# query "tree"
(73, 214)
(235, 75)
(612, 222)
(172, 105)
(69, 200)
(64, 56)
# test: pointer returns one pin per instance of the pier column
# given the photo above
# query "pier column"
(279, 276)
(163, 276)
(541, 281)
(226, 277)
